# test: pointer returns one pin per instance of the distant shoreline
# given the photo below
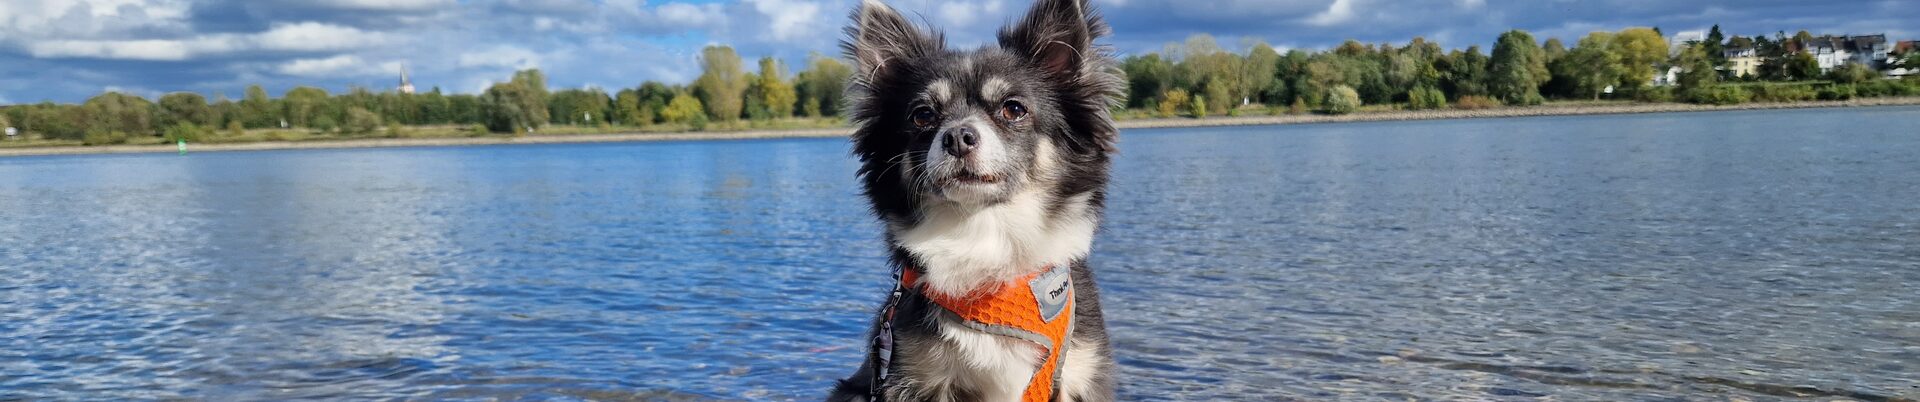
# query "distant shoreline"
(1569, 109)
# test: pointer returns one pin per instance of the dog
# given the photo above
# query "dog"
(988, 168)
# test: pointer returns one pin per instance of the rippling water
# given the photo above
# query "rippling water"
(1741, 255)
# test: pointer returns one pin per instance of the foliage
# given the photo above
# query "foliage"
(361, 121)
(722, 83)
(1342, 99)
(1641, 50)
(1473, 102)
(823, 83)
(235, 129)
(1718, 95)
(185, 107)
(685, 109)
(1837, 92)
(1172, 101)
(1851, 73)
(1591, 66)
(1426, 98)
(1198, 108)
(185, 131)
(103, 137)
(1802, 66)
(773, 92)
(1517, 69)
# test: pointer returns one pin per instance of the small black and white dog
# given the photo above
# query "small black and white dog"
(987, 166)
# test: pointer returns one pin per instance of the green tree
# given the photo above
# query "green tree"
(685, 109)
(1257, 72)
(1696, 71)
(1342, 99)
(722, 83)
(1517, 69)
(776, 94)
(512, 107)
(1802, 66)
(1715, 46)
(1466, 73)
(118, 112)
(185, 107)
(1591, 66)
(1148, 76)
(257, 109)
(1641, 50)
(630, 110)
(305, 104)
(361, 121)
(656, 96)
(823, 83)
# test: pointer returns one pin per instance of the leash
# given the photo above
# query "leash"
(1029, 309)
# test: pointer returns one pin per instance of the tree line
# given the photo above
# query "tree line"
(724, 92)
(1196, 78)
(1199, 77)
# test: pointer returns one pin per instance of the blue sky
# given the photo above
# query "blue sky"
(68, 50)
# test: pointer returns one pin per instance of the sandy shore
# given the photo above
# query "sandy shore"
(1548, 110)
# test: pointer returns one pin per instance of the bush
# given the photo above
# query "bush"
(1837, 92)
(1342, 99)
(103, 137)
(1426, 98)
(1784, 93)
(235, 130)
(1198, 107)
(1172, 101)
(477, 130)
(1718, 95)
(185, 132)
(361, 121)
(1299, 106)
(395, 130)
(1471, 102)
(1654, 94)
(325, 124)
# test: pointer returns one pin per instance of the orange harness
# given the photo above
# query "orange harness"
(1036, 308)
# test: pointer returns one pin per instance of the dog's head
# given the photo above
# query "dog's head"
(975, 128)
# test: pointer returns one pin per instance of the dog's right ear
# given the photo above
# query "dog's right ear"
(880, 40)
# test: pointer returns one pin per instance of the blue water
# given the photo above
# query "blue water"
(1750, 255)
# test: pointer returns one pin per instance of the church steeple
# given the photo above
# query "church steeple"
(406, 84)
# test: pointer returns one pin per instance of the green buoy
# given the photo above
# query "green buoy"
(183, 146)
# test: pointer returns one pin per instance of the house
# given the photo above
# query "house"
(1834, 51)
(1742, 62)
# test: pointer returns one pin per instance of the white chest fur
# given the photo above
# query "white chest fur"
(964, 250)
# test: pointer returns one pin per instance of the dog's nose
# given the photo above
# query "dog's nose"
(960, 141)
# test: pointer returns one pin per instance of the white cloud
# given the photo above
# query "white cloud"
(338, 66)
(385, 5)
(1471, 4)
(1338, 12)
(315, 36)
(789, 20)
(501, 57)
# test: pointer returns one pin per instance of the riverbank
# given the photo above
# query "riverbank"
(1550, 109)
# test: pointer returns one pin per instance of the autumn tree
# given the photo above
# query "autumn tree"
(722, 83)
(1517, 69)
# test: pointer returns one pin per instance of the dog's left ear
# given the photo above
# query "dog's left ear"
(1056, 36)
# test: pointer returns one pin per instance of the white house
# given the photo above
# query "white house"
(1834, 51)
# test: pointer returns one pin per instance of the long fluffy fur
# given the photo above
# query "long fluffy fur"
(1055, 166)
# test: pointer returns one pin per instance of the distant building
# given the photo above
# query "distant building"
(1667, 77)
(1742, 62)
(1834, 51)
(406, 84)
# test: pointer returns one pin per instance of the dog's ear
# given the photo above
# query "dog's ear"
(1056, 36)
(880, 40)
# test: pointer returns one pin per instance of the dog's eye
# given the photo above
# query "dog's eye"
(1013, 110)
(924, 117)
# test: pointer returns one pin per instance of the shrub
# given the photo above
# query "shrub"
(477, 130)
(325, 124)
(1299, 106)
(395, 130)
(1198, 107)
(1784, 93)
(1718, 95)
(185, 132)
(1654, 95)
(1472, 102)
(235, 130)
(361, 121)
(103, 137)
(1172, 101)
(1837, 92)
(1342, 99)
(1425, 97)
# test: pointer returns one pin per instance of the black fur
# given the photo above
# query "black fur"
(1050, 63)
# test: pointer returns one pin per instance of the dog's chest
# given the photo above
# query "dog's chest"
(996, 368)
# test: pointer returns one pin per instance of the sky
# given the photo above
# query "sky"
(68, 50)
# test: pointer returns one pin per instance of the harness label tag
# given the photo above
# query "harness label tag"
(1052, 290)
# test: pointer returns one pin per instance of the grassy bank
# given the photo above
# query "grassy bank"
(414, 136)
